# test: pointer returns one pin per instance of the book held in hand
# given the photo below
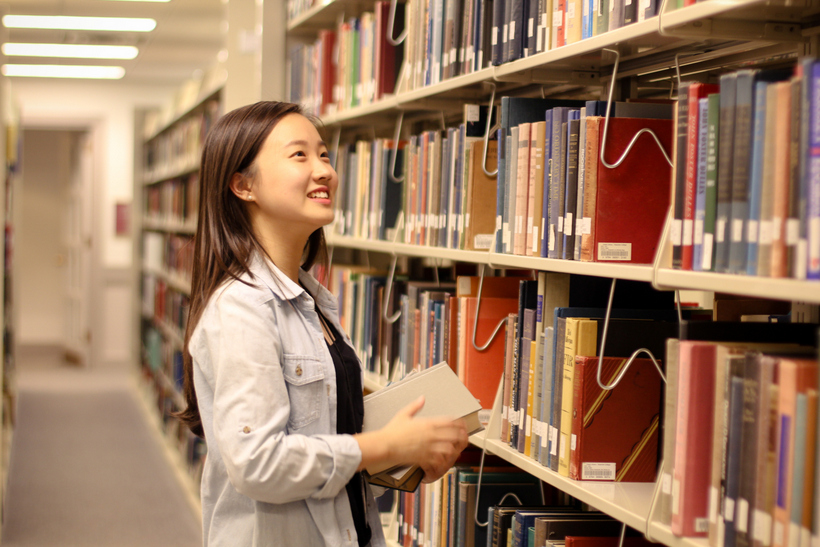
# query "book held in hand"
(444, 395)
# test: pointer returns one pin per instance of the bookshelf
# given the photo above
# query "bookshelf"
(167, 186)
(706, 38)
(10, 141)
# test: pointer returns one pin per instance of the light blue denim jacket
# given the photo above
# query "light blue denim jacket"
(276, 470)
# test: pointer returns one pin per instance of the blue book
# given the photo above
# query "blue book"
(514, 112)
(700, 186)
(571, 185)
(756, 177)
(547, 177)
(742, 146)
(728, 87)
(497, 32)
(510, 194)
(801, 264)
(733, 457)
(560, 116)
(547, 366)
(812, 75)
(501, 188)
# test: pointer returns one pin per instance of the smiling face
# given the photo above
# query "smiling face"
(291, 191)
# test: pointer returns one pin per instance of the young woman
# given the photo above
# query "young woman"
(271, 380)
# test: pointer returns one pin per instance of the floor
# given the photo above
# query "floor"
(87, 469)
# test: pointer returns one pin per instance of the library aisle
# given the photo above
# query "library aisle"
(86, 467)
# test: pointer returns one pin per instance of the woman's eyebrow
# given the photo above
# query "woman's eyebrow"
(304, 143)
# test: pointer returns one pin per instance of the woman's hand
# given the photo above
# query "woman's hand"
(433, 444)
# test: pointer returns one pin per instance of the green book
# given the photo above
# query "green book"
(712, 132)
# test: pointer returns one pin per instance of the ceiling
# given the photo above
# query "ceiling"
(187, 38)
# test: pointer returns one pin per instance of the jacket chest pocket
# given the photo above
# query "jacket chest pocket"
(304, 377)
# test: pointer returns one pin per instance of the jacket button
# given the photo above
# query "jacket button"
(246, 429)
(298, 371)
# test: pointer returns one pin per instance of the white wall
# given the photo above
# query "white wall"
(107, 110)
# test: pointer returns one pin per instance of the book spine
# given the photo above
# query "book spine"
(700, 186)
(739, 209)
(813, 168)
(693, 440)
(725, 165)
(682, 134)
(571, 189)
(756, 178)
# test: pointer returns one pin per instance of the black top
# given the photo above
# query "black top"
(349, 418)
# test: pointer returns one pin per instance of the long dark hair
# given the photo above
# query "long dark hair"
(224, 242)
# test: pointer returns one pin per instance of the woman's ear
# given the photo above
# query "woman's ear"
(241, 187)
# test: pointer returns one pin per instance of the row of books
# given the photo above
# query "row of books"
(353, 65)
(747, 185)
(435, 323)
(559, 196)
(160, 354)
(192, 448)
(165, 304)
(168, 253)
(742, 443)
(445, 38)
(553, 195)
(179, 147)
(174, 201)
(451, 513)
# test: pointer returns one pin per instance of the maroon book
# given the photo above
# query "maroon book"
(615, 432)
(631, 200)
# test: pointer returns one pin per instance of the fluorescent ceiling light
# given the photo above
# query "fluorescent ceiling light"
(76, 51)
(140, 0)
(64, 71)
(64, 22)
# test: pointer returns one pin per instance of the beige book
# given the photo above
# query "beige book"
(444, 395)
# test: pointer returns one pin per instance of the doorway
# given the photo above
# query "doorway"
(53, 243)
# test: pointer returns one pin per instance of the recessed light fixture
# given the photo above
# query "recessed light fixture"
(64, 22)
(76, 51)
(139, 0)
(64, 71)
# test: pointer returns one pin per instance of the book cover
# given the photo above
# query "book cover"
(693, 434)
(781, 181)
(728, 90)
(668, 433)
(745, 103)
(580, 339)
(481, 371)
(480, 220)
(631, 201)
(510, 336)
(537, 174)
(632, 409)
(700, 184)
(522, 185)
(571, 188)
(795, 376)
(525, 350)
(696, 91)
(812, 161)
(444, 395)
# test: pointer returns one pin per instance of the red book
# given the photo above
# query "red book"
(615, 432)
(386, 65)
(481, 371)
(631, 201)
(327, 39)
(693, 439)
(697, 91)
